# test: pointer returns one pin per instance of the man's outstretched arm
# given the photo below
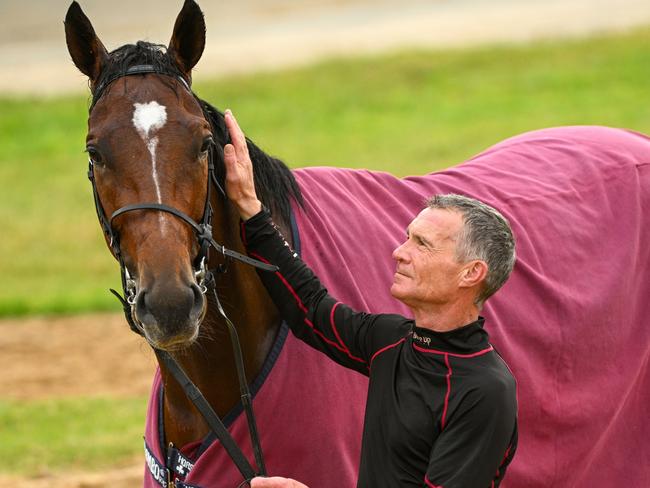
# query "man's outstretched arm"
(347, 336)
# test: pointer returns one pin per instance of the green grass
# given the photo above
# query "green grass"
(54, 435)
(408, 113)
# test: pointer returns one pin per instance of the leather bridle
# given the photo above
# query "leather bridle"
(203, 229)
(205, 280)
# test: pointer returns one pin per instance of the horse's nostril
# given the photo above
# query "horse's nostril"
(198, 308)
(141, 309)
(197, 291)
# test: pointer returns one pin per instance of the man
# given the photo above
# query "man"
(441, 409)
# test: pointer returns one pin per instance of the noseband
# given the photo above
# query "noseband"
(205, 280)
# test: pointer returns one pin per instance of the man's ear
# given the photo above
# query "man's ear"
(473, 273)
(87, 51)
(188, 40)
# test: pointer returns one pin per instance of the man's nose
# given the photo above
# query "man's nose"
(398, 253)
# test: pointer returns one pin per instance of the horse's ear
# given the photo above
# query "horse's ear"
(188, 39)
(87, 51)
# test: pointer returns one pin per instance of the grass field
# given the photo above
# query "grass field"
(92, 433)
(408, 113)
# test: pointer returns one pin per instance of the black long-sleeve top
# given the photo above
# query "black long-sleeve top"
(441, 408)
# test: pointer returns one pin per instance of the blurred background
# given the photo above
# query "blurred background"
(408, 86)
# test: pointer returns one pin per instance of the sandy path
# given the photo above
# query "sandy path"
(130, 477)
(253, 35)
(73, 356)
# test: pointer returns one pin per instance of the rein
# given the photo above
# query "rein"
(206, 281)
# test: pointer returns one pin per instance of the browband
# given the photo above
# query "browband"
(140, 69)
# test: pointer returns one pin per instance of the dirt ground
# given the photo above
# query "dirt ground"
(130, 477)
(73, 356)
(87, 355)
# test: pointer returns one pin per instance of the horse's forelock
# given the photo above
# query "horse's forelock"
(140, 53)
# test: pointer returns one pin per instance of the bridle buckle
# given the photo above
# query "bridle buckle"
(130, 288)
(200, 276)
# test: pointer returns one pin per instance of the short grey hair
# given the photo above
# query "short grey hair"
(486, 235)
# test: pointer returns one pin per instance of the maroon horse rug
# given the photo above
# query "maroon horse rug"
(569, 322)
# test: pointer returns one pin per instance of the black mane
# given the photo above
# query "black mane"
(274, 182)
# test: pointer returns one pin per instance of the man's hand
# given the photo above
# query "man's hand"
(276, 482)
(240, 185)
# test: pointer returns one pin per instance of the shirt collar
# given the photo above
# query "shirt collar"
(468, 339)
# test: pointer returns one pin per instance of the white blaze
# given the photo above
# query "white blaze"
(149, 116)
(147, 119)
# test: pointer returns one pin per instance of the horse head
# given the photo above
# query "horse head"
(148, 143)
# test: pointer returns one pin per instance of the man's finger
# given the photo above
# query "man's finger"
(276, 482)
(240, 186)
(236, 134)
(229, 155)
(230, 161)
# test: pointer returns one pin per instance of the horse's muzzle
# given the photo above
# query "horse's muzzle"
(170, 316)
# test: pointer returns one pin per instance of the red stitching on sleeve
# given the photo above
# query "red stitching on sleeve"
(386, 348)
(429, 484)
(302, 307)
(503, 461)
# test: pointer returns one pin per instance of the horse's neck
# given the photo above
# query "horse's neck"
(210, 362)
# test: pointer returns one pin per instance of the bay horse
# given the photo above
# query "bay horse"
(570, 321)
(151, 140)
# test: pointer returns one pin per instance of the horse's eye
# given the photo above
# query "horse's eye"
(94, 155)
(207, 143)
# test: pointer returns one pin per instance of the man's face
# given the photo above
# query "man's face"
(427, 271)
